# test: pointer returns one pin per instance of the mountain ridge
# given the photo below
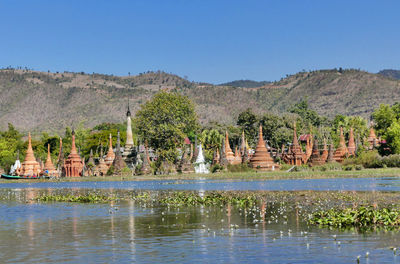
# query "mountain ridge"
(45, 101)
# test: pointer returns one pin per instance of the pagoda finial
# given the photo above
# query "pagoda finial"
(118, 144)
(295, 141)
(128, 113)
(29, 142)
(48, 151)
(29, 152)
(73, 147)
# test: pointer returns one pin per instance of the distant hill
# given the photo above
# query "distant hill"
(394, 74)
(42, 101)
(245, 83)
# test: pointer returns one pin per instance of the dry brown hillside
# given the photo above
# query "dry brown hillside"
(40, 101)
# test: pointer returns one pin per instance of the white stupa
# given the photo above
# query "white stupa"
(200, 164)
(16, 166)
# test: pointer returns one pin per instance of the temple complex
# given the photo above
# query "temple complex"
(341, 152)
(262, 160)
(316, 159)
(73, 165)
(110, 154)
(48, 166)
(352, 146)
(118, 162)
(30, 167)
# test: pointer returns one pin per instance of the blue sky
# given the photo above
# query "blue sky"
(206, 40)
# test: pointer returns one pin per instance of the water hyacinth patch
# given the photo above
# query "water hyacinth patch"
(87, 198)
(359, 217)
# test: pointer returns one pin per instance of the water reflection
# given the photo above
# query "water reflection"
(82, 233)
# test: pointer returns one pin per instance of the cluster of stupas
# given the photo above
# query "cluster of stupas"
(139, 157)
(31, 167)
(261, 159)
(314, 156)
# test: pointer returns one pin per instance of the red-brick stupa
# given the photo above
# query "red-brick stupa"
(316, 159)
(73, 165)
(295, 155)
(49, 168)
(341, 152)
(325, 151)
(110, 154)
(238, 157)
(352, 146)
(30, 167)
(262, 160)
(372, 139)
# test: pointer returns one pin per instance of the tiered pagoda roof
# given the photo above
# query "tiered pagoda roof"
(30, 167)
(73, 165)
(48, 166)
(261, 159)
(352, 146)
(341, 152)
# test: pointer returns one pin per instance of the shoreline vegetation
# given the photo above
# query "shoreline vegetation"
(249, 175)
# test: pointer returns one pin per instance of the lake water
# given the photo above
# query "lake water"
(128, 232)
(334, 184)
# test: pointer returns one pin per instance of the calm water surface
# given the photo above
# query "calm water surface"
(99, 233)
(349, 184)
(128, 232)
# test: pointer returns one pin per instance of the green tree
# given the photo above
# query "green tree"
(384, 116)
(393, 137)
(211, 140)
(248, 122)
(165, 121)
(309, 116)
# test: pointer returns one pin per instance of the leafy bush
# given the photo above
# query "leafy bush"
(126, 170)
(349, 167)
(391, 160)
(367, 159)
(358, 167)
(371, 159)
(111, 170)
(239, 168)
(285, 167)
(217, 168)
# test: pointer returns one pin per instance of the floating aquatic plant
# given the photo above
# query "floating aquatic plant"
(359, 217)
